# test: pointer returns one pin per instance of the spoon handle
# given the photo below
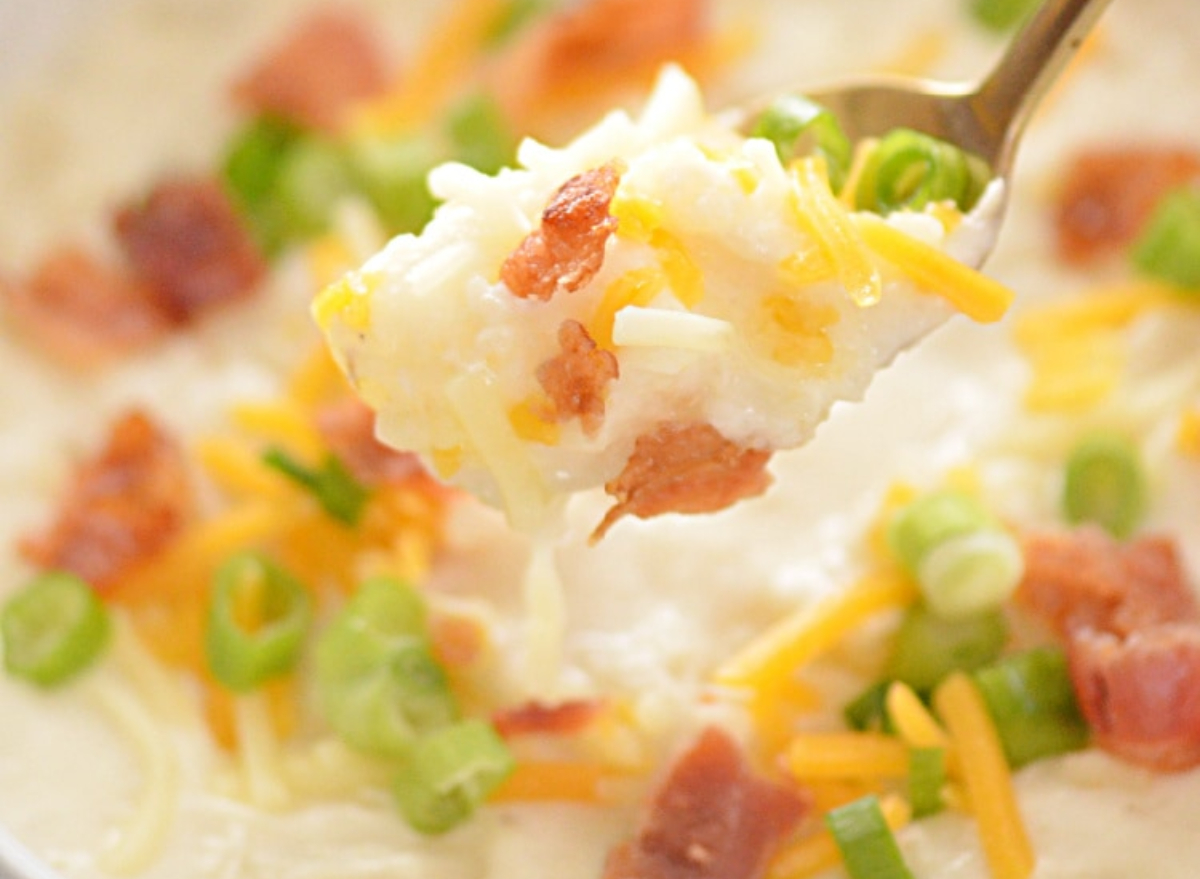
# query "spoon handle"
(1007, 97)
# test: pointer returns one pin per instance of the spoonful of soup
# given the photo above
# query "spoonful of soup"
(658, 306)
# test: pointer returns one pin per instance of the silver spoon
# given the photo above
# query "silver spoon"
(987, 117)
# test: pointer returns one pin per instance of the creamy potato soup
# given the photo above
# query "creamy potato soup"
(444, 695)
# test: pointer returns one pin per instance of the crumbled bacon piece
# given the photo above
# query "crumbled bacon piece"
(123, 506)
(1141, 693)
(82, 311)
(1108, 195)
(348, 427)
(1132, 628)
(1085, 578)
(684, 469)
(532, 718)
(187, 242)
(576, 379)
(711, 818)
(327, 64)
(567, 250)
(597, 40)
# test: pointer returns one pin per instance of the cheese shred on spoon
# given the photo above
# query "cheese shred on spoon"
(654, 308)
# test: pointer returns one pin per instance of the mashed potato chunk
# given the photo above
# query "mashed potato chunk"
(654, 309)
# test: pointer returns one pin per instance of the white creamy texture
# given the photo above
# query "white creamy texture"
(655, 606)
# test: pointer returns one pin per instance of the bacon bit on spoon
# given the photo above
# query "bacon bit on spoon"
(187, 242)
(684, 469)
(711, 818)
(123, 506)
(576, 378)
(329, 63)
(1108, 195)
(568, 249)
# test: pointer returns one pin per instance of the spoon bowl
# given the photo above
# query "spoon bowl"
(984, 118)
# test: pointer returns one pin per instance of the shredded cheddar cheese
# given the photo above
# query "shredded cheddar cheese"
(280, 422)
(446, 462)
(683, 275)
(349, 299)
(317, 379)
(975, 295)
(811, 630)
(1187, 434)
(238, 470)
(528, 420)
(563, 781)
(913, 722)
(1077, 349)
(848, 195)
(446, 57)
(807, 267)
(803, 329)
(843, 755)
(636, 287)
(986, 778)
(637, 216)
(821, 216)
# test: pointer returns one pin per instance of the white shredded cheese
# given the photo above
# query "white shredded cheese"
(635, 326)
(545, 623)
(258, 753)
(137, 843)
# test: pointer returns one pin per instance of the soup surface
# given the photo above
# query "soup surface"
(124, 92)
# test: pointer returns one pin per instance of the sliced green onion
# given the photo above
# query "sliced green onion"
(389, 609)
(313, 177)
(337, 491)
(251, 172)
(868, 848)
(53, 629)
(1105, 483)
(450, 773)
(798, 126)
(929, 520)
(378, 682)
(908, 170)
(926, 779)
(972, 573)
(1001, 15)
(258, 616)
(479, 135)
(928, 646)
(391, 174)
(255, 155)
(1032, 701)
(961, 558)
(1169, 246)
(868, 710)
